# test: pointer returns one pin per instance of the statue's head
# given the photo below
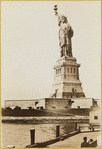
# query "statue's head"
(63, 19)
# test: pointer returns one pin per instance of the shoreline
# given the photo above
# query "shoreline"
(44, 120)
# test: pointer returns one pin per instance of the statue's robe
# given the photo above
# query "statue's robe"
(65, 34)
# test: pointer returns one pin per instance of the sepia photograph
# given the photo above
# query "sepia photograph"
(50, 74)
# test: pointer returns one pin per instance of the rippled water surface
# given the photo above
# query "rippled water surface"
(19, 134)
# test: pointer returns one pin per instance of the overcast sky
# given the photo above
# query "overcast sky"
(30, 46)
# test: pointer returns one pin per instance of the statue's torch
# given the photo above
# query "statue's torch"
(55, 8)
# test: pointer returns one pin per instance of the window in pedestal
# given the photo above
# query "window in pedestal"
(60, 70)
(71, 70)
(68, 70)
(57, 71)
(74, 70)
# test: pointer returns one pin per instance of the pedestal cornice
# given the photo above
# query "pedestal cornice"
(66, 64)
(67, 58)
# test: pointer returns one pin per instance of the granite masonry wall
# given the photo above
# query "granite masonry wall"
(24, 104)
(57, 103)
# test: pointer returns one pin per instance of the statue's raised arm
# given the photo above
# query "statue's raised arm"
(65, 34)
(56, 13)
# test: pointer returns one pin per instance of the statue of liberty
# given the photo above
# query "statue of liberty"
(65, 34)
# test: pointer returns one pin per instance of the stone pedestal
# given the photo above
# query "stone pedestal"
(66, 79)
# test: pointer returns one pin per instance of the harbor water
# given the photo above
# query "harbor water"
(19, 134)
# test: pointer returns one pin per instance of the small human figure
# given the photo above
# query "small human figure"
(79, 129)
(91, 127)
(85, 143)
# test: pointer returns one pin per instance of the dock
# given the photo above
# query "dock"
(73, 140)
(76, 140)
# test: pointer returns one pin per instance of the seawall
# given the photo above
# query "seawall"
(45, 120)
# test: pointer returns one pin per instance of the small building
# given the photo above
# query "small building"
(95, 117)
(84, 103)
